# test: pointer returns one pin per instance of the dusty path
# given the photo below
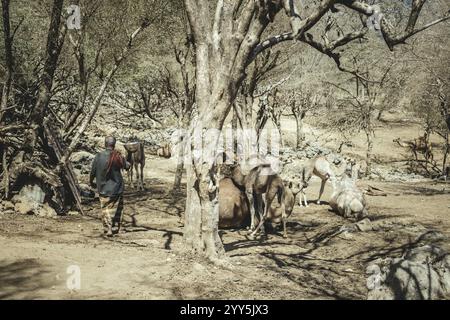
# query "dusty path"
(147, 261)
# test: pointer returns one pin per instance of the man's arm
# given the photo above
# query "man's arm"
(93, 172)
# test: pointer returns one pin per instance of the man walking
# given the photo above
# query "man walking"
(106, 170)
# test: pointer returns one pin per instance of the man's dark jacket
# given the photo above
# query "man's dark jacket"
(109, 184)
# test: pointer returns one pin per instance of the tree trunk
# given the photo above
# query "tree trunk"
(278, 124)
(201, 233)
(369, 153)
(446, 151)
(201, 230)
(299, 116)
(180, 160)
(234, 130)
(55, 41)
(8, 58)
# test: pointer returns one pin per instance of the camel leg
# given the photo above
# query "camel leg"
(269, 198)
(261, 209)
(131, 176)
(300, 199)
(136, 168)
(251, 201)
(305, 201)
(142, 176)
(304, 198)
(283, 219)
(322, 187)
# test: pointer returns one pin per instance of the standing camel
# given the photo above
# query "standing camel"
(136, 157)
(260, 180)
(319, 167)
(420, 145)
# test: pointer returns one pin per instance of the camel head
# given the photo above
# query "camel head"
(294, 187)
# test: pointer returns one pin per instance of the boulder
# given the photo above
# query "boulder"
(422, 273)
(30, 193)
(81, 156)
(30, 200)
(46, 211)
(6, 207)
(82, 161)
(364, 225)
(26, 207)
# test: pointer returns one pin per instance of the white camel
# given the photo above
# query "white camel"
(347, 199)
(319, 167)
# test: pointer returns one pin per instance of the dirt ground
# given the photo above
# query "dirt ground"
(146, 261)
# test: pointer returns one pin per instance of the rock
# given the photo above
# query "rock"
(30, 200)
(364, 225)
(46, 211)
(423, 273)
(30, 193)
(347, 228)
(81, 161)
(25, 207)
(198, 267)
(73, 213)
(81, 156)
(6, 207)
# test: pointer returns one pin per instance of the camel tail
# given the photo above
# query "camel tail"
(280, 194)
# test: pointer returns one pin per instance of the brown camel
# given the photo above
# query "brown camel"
(136, 157)
(164, 151)
(418, 145)
(260, 180)
(233, 205)
(275, 213)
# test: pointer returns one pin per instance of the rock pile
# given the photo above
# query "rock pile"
(81, 162)
(30, 200)
(422, 273)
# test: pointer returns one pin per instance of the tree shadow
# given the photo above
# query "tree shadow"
(380, 252)
(262, 240)
(21, 279)
(424, 191)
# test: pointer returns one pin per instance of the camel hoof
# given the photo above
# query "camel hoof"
(285, 236)
(251, 236)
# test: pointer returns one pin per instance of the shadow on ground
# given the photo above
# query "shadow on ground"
(22, 279)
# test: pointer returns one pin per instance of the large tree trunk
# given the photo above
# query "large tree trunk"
(201, 231)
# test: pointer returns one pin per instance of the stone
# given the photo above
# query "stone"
(198, 267)
(81, 156)
(32, 193)
(46, 211)
(6, 207)
(422, 273)
(24, 207)
(364, 225)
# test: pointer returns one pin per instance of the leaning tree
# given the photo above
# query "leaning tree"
(228, 35)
